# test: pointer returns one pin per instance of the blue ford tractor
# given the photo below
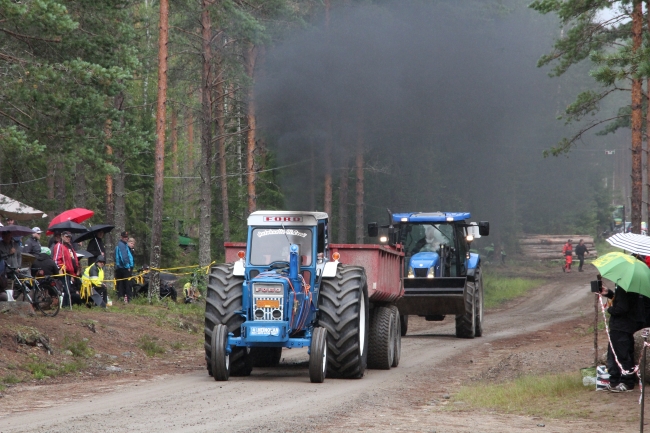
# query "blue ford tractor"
(287, 290)
(441, 275)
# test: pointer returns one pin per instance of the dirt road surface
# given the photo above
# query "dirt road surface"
(433, 363)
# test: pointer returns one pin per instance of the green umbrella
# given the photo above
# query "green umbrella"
(626, 271)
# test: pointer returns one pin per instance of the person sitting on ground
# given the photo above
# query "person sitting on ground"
(33, 244)
(92, 282)
(626, 317)
(44, 265)
(190, 293)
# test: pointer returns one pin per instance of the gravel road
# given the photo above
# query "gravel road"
(283, 399)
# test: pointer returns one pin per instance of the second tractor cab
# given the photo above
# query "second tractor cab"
(441, 275)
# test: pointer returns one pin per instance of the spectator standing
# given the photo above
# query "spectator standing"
(33, 244)
(626, 317)
(567, 252)
(68, 263)
(10, 253)
(54, 239)
(96, 247)
(9, 222)
(123, 267)
(581, 250)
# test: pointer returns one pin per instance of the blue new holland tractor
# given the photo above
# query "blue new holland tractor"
(441, 275)
(287, 290)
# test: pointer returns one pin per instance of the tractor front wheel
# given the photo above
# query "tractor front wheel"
(318, 356)
(466, 322)
(219, 357)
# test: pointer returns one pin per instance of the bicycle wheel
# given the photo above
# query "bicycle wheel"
(46, 299)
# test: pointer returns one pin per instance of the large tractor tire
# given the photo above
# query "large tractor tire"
(381, 338)
(343, 305)
(398, 336)
(265, 356)
(222, 302)
(480, 301)
(404, 324)
(466, 322)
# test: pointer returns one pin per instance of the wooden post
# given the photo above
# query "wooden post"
(596, 301)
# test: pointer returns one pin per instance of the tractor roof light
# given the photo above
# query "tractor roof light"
(450, 219)
(383, 239)
(404, 219)
(470, 238)
(241, 254)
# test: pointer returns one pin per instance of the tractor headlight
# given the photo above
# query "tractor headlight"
(430, 272)
(410, 273)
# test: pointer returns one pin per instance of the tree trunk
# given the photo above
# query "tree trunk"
(637, 116)
(59, 187)
(312, 179)
(174, 133)
(647, 131)
(156, 221)
(250, 55)
(327, 202)
(359, 189)
(190, 143)
(80, 191)
(205, 200)
(343, 202)
(51, 169)
(119, 216)
(222, 167)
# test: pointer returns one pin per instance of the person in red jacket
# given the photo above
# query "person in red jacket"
(567, 252)
(66, 259)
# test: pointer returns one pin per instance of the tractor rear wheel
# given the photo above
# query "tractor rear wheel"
(480, 301)
(381, 338)
(466, 322)
(222, 303)
(404, 323)
(265, 356)
(398, 336)
(343, 312)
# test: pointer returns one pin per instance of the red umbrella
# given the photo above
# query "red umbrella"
(77, 215)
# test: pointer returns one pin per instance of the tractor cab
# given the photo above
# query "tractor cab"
(285, 256)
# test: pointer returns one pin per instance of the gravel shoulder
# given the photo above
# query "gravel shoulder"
(544, 331)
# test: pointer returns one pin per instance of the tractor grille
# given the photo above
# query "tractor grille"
(268, 308)
(420, 272)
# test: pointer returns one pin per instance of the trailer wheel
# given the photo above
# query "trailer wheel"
(480, 301)
(466, 322)
(265, 356)
(343, 312)
(404, 324)
(219, 357)
(381, 339)
(318, 356)
(222, 303)
(398, 336)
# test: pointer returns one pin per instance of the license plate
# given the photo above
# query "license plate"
(268, 303)
(272, 330)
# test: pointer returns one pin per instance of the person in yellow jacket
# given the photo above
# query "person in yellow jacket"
(92, 283)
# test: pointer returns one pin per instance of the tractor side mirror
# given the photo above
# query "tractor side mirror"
(484, 228)
(373, 230)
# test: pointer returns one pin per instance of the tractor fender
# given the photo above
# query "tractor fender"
(329, 271)
(473, 261)
(239, 269)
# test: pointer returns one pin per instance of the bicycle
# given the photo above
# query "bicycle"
(43, 294)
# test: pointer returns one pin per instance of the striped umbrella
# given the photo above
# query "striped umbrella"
(632, 242)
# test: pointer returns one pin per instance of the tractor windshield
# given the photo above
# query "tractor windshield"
(427, 237)
(271, 244)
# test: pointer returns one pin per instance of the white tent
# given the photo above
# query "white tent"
(11, 208)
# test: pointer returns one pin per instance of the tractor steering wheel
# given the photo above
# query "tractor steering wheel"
(279, 264)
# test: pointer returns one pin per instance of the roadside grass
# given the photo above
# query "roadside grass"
(78, 346)
(43, 370)
(499, 289)
(551, 395)
(150, 345)
(165, 313)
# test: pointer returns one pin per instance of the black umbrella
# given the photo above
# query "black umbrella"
(67, 226)
(17, 230)
(92, 231)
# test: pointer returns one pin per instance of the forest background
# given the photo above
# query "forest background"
(350, 107)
